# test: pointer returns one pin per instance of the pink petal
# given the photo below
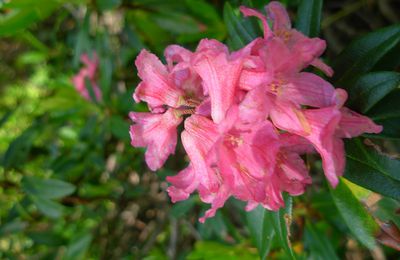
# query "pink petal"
(198, 139)
(175, 53)
(252, 12)
(250, 79)
(157, 89)
(308, 89)
(324, 123)
(278, 14)
(318, 63)
(293, 174)
(158, 133)
(220, 77)
(353, 124)
(286, 116)
(255, 106)
(183, 184)
(217, 202)
(295, 143)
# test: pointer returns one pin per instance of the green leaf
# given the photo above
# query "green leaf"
(318, 243)
(261, 230)
(215, 250)
(371, 170)
(240, 30)
(12, 227)
(105, 5)
(362, 54)
(48, 207)
(281, 221)
(77, 248)
(370, 88)
(47, 238)
(309, 17)
(18, 150)
(387, 113)
(25, 13)
(119, 127)
(47, 188)
(182, 207)
(360, 223)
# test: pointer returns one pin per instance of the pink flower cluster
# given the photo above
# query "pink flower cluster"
(87, 73)
(248, 115)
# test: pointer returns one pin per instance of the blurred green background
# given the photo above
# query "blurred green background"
(72, 187)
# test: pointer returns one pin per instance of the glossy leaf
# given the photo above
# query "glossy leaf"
(358, 220)
(362, 54)
(309, 17)
(370, 88)
(387, 113)
(240, 30)
(47, 188)
(261, 230)
(371, 170)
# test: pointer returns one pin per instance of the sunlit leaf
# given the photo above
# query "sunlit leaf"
(358, 220)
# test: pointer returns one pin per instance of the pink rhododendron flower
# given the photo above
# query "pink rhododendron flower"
(88, 75)
(248, 115)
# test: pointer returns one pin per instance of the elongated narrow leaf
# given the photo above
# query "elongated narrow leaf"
(47, 188)
(360, 223)
(261, 230)
(371, 170)
(50, 208)
(387, 113)
(240, 30)
(309, 17)
(362, 54)
(318, 243)
(370, 88)
(281, 221)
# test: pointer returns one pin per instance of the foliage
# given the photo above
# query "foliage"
(72, 187)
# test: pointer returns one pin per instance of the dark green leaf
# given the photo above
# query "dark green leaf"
(18, 150)
(318, 243)
(360, 223)
(240, 30)
(47, 188)
(105, 5)
(119, 127)
(370, 88)
(371, 170)
(387, 113)
(46, 238)
(261, 230)
(5, 117)
(309, 17)
(12, 227)
(182, 207)
(362, 54)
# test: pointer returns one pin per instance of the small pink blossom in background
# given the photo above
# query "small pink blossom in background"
(248, 116)
(88, 73)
